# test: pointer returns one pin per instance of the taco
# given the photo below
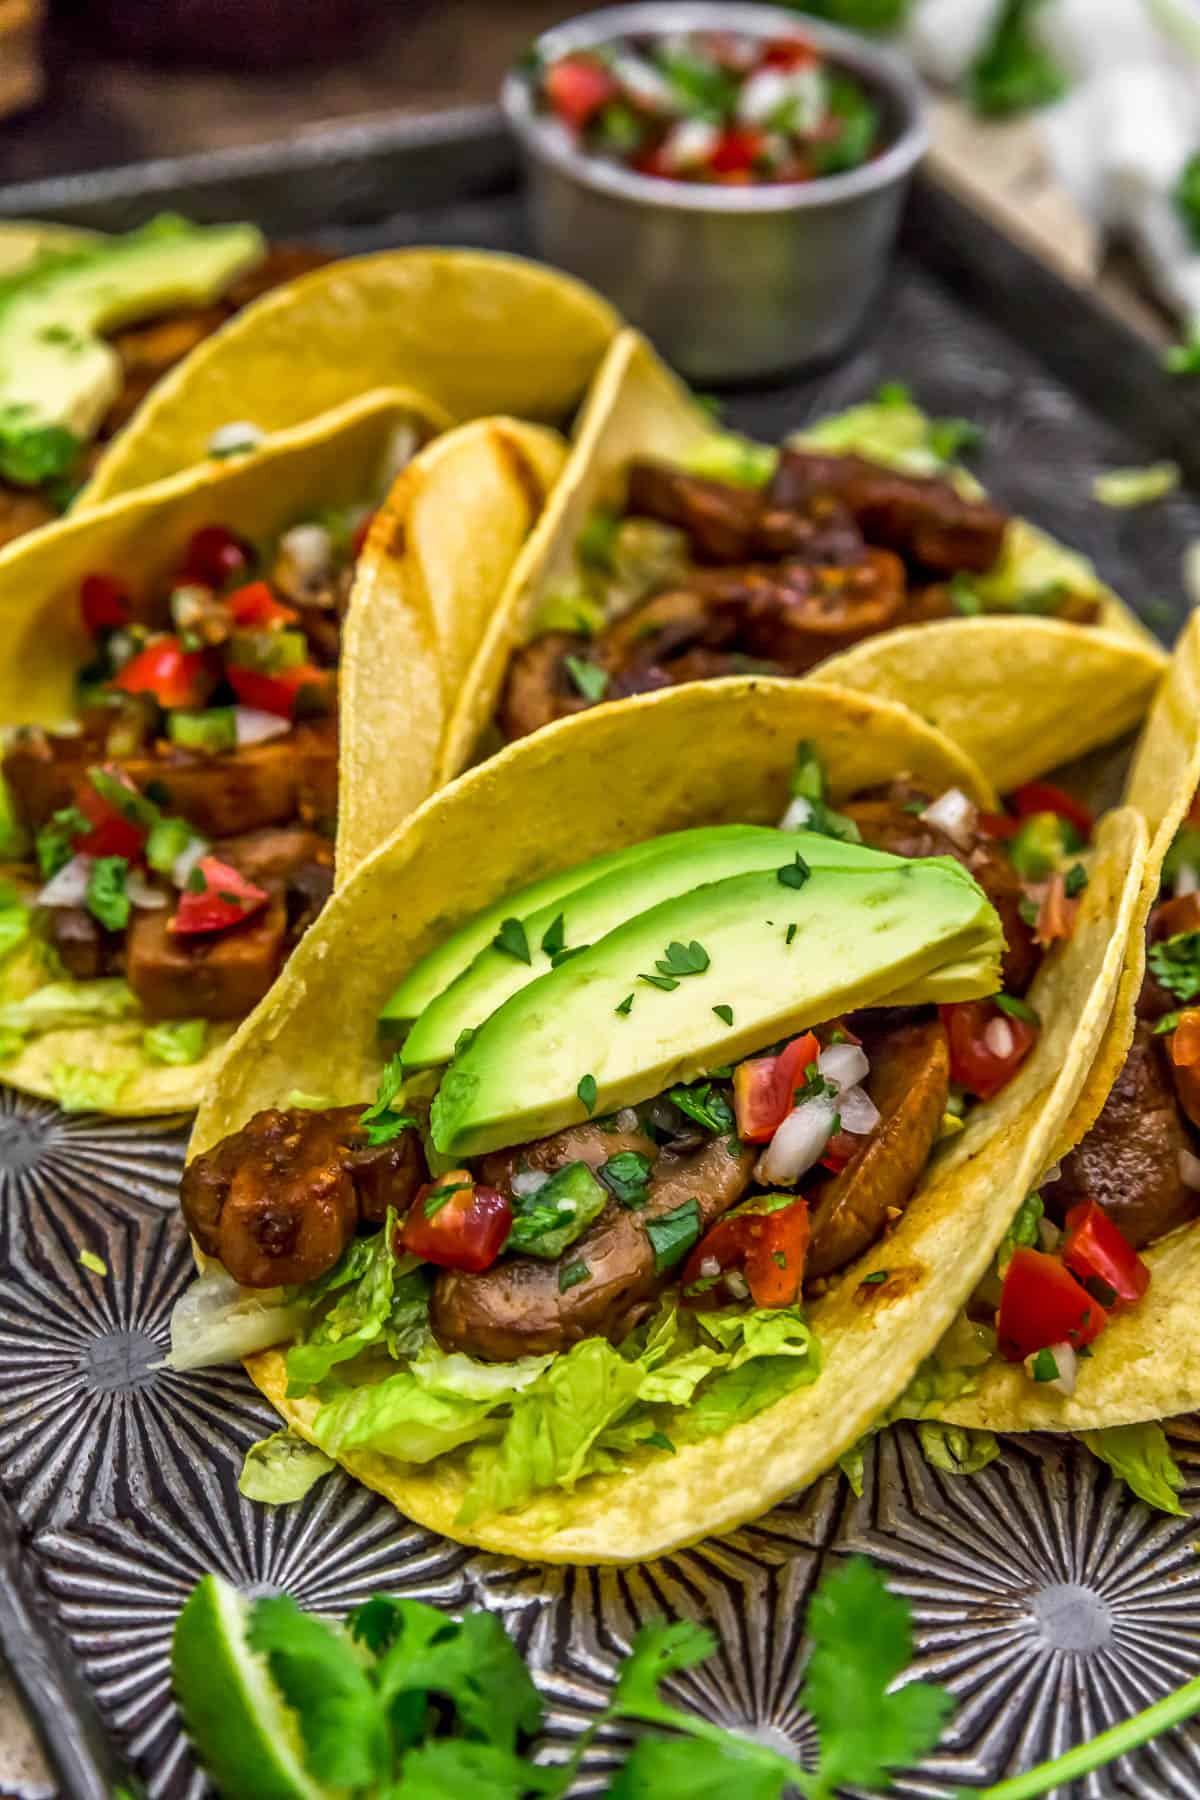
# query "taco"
(88, 324)
(478, 331)
(1084, 1322)
(663, 1194)
(672, 552)
(172, 766)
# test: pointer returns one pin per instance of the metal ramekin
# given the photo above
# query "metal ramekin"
(731, 283)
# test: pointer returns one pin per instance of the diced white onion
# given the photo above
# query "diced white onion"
(310, 549)
(235, 439)
(710, 1266)
(857, 1111)
(142, 892)
(69, 887)
(954, 814)
(403, 445)
(844, 1064)
(1053, 1173)
(644, 83)
(216, 1321)
(527, 1182)
(1049, 1236)
(187, 859)
(253, 726)
(768, 90)
(798, 1143)
(998, 1037)
(1187, 879)
(737, 1284)
(1068, 1367)
(1189, 1169)
(798, 814)
(689, 143)
(627, 1119)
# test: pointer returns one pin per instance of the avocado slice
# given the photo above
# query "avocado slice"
(864, 934)
(670, 865)
(58, 377)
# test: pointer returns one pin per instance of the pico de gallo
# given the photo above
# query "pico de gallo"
(180, 830)
(723, 108)
(753, 560)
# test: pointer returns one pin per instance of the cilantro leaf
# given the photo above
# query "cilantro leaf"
(683, 959)
(794, 874)
(54, 843)
(318, 1674)
(672, 1234)
(862, 1640)
(1176, 964)
(379, 1121)
(625, 1176)
(554, 937)
(471, 1661)
(588, 678)
(512, 940)
(1013, 73)
(106, 898)
(586, 1091)
(706, 1104)
(451, 1766)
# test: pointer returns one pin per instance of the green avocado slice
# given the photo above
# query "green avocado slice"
(864, 935)
(668, 866)
(58, 376)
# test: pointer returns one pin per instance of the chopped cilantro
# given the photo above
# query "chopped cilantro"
(54, 843)
(666, 982)
(379, 1121)
(589, 678)
(794, 874)
(572, 1275)
(197, 881)
(1168, 1022)
(554, 937)
(724, 1013)
(106, 898)
(562, 956)
(658, 1440)
(1176, 965)
(554, 1215)
(587, 1093)
(1044, 1366)
(789, 935)
(874, 1279)
(948, 438)
(672, 1234)
(625, 1007)
(512, 940)
(437, 1197)
(1017, 1009)
(706, 1104)
(683, 959)
(625, 1176)
(1074, 881)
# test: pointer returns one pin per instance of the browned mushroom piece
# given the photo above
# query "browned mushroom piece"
(278, 1201)
(538, 688)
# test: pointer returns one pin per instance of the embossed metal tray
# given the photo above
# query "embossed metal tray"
(1048, 1600)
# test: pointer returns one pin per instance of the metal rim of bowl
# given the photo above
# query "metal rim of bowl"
(877, 66)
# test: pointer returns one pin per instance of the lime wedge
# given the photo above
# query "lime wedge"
(245, 1735)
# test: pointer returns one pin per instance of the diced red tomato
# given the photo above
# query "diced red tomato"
(1183, 1048)
(1097, 1250)
(111, 834)
(255, 604)
(839, 1150)
(983, 1059)
(764, 1088)
(170, 674)
(215, 556)
(577, 88)
(789, 53)
(225, 899)
(1041, 1304)
(274, 693)
(1056, 914)
(361, 532)
(462, 1229)
(999, 825)
(1043, 796)
(104, 603)
(736, 151)
(769, 1247)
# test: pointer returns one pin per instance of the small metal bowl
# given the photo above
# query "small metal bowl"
(731, 283)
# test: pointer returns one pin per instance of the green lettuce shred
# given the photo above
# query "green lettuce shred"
(281, 1468)
(1141, 1456)
(177, 1044)
(79, 1089)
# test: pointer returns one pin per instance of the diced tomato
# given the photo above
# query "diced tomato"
(111, 834)
(1041, 1303)
(577, 88)
(764, 1088)
(255, 604)
(839, 1150)
(457, 1223)
(653, 162)
(1183, 1048)
(1043, 796)
(768, 1246)
(170, 674)
(789, 53)
(736, 151)
(1056, 914)
(362, 532)
(104, 603)
(983, 1059)
(999, 825)
(215, 556)
(275, 693)
(225, 899)
(1097, 1250)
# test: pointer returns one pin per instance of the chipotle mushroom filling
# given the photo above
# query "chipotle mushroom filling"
(800, 557)
(182, 827)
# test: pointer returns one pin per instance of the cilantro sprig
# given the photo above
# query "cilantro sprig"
(381, 1122)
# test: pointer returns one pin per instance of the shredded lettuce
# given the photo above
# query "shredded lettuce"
(15, 919)
(62, 1005)
(548, 1422)
(281, 1468)
(955, 1449)
(378, 1305)
(176, 1043)
(1136, 487)
(726, 456)
(79, 1089)
(14, 842)
(891, 430)
(1141, 1456)
(215, 1321)
(572, 609)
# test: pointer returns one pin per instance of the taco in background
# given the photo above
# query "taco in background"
(1087, 1321)
(672, 552)
(661, 1198)
(170, 689)
(480, 332)
(88, 324)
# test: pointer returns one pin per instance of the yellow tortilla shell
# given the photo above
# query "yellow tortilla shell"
(716, 751)
(1021, 694)
(339, 460)
(478, 331)
(426, 588)
(1146, 1364)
